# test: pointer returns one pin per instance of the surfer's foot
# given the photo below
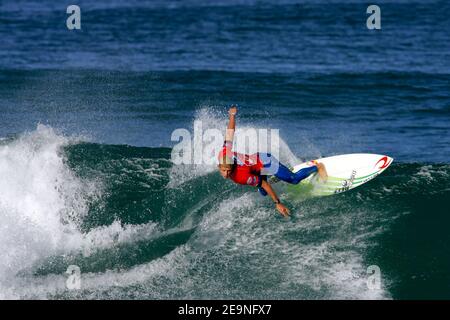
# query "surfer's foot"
(322, 172)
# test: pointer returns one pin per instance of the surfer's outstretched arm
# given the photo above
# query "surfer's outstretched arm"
(231, 123)
(280, 207)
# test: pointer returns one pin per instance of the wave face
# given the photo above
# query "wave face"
(139, 227)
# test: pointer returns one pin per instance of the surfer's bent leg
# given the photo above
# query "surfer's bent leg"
(273, 167)
(304, 173)
(288, 176)
(260, 188)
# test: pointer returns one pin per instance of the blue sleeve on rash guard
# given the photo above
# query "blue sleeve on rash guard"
(260, 188)
(262, 191)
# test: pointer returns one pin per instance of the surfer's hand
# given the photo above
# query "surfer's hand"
(233, 110)
(283, 210)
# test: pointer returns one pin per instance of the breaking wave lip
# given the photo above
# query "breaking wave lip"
(42, 205)
(47, 223)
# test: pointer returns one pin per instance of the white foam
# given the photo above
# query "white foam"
(426, 172)
(42, 204)
(108, 283)
(331, 268)
(38, 198)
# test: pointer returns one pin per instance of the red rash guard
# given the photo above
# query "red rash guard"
(246, 168)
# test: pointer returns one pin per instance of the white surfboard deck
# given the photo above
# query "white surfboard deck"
(345, 172)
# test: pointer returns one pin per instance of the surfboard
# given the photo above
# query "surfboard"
(345, 172)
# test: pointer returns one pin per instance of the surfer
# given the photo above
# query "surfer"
(254, 169)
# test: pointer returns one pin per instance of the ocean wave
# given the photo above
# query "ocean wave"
(115, 211)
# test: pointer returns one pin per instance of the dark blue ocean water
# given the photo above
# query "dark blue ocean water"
(138, 70)
(312, 68)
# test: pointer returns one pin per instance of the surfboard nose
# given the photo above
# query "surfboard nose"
(384, 162)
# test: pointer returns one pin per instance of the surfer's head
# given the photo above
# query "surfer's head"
(225, 170)
(225, 166)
